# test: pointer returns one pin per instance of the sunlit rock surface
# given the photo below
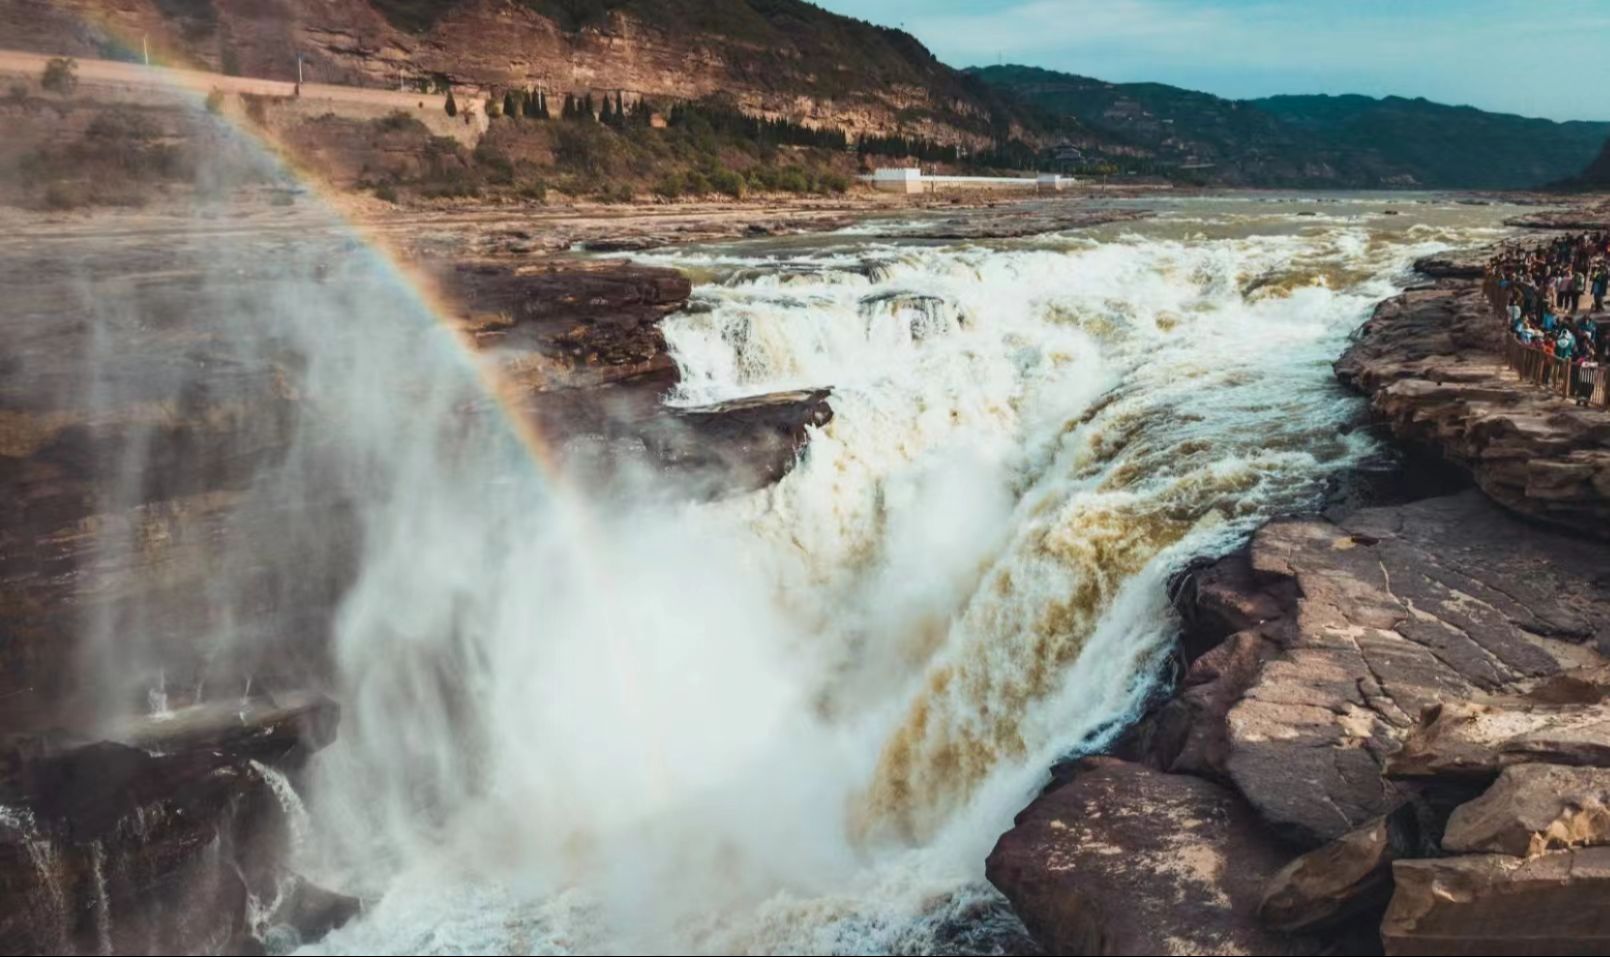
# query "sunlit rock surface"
(1123, 859)
(1431, 365)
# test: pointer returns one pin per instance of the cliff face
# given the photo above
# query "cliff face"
(779, 58)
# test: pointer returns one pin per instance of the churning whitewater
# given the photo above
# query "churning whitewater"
(795, 722)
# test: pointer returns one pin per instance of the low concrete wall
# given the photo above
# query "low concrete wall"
(137, 83)
(923, 183)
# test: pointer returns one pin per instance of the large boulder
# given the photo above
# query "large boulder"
(1124, 859)
(1491, 904)
(1534, 808)
(1343, 881)
(1477, 740)
(1399, 611)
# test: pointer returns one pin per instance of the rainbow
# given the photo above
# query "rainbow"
(541, 451)
(166, 71)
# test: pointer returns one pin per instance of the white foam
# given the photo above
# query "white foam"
(795, 722)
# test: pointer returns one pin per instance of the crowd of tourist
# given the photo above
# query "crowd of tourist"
(1553, 298)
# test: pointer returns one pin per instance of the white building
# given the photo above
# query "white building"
(910, 179)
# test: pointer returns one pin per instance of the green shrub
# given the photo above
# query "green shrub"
(450, 184)
(534, 190)
(587, 149)
(451, 106)
(697, 184)
(793, 180)
(18, 92)
(60, 196)
(670, 186)
(831, 182)
(400, 121)
(498, 167)
(439, 146)
(728, 182)
(386, 192)
(60, 76)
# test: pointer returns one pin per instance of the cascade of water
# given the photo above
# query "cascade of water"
(47, 865)
(295, 812)
(103, 904)
(797, 720)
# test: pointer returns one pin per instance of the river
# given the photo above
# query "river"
(796, 721)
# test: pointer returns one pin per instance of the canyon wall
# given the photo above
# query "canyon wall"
(794, 61)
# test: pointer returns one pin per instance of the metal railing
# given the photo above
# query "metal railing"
(1567, 379)
(1570, 380)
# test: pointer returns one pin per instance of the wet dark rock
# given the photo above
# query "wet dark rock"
(88, 786)
(117, 847)
(569, 324)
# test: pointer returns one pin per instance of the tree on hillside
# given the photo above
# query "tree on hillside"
(569, 112)
(606, 113)
(620, 108)
(451, 107)
(60, 76)
(589, 109)
(536, 105)
(510, 106)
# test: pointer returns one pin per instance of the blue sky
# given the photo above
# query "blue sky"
(1535, 57)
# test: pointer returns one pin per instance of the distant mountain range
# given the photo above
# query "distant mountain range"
(789, 59)
(1311, 141)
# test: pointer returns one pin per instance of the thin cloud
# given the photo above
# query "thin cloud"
(1482, 52)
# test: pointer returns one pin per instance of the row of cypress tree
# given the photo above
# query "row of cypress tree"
(528, 103)
(614, 111)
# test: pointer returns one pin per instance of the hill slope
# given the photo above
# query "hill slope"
(1447, 145)
(1594, 177)
(781, 58)
(1311, 141)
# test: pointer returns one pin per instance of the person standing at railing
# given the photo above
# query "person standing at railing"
(1600, 285)
(1565, 344)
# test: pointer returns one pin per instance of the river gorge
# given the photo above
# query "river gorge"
(594, 698)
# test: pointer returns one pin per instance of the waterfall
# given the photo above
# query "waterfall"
(102, 904)
(797, 720)
(47, 865)
(291, 806)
